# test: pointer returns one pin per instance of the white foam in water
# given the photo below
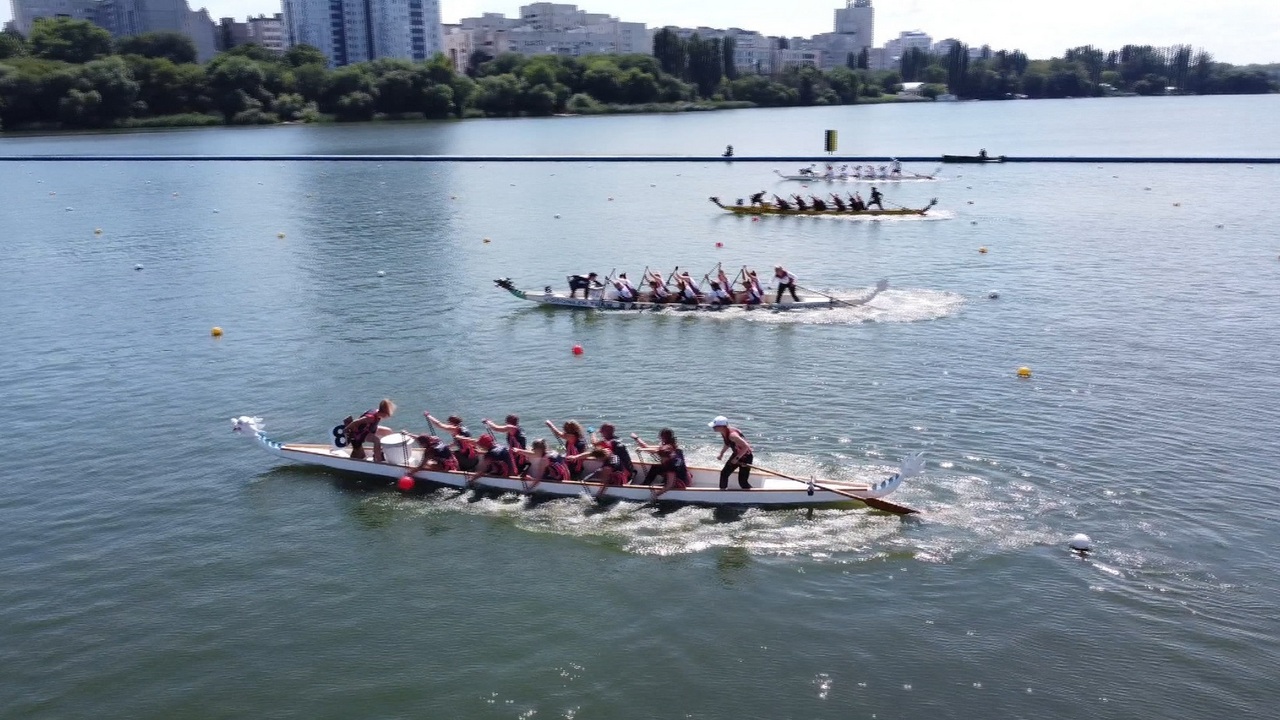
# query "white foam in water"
(890, 306)
(961, 513)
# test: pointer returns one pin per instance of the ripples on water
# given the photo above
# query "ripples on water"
(155, 577)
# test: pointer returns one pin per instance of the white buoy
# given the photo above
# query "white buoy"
(382, 273)
(137, 267)
(1081, 543)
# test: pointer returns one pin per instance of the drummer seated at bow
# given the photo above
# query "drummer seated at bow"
(585, 283)
(497, 460)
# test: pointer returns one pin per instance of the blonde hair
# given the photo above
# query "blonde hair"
(387, 408)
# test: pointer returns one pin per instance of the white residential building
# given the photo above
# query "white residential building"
(905, 41)
(25, 12)
(547, 29)
(352, 31)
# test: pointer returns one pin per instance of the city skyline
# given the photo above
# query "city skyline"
(1235, 31)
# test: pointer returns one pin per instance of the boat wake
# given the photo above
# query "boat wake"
(962, 513)
(891, 306)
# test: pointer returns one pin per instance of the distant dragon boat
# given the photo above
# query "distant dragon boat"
(772, 489)
(602, 299)
(771, 209)
(973, 159)
(846, 177)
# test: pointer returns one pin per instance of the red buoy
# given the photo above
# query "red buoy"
(719, 244)
(577, 349)
(405, 483)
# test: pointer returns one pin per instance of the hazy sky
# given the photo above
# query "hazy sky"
(1237, 31)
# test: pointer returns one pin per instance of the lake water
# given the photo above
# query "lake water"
(155, 565)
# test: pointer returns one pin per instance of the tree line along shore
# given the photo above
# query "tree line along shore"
(71, 74)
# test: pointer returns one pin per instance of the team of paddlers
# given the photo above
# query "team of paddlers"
(855, 202)
(743, 289)
(535, 462)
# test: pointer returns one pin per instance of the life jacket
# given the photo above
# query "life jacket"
(620, 460)
(503, 458)
(465, 451)
(729, 443)
(576, 447)
(515, 438)
(557, 468)
(367, 428)
(443, 454)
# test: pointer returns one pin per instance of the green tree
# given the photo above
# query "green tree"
(73, 41)
(12, 45)
(302, 54)
(355, 106)
(639, 87)
(499, 95)
(539, 100)
(254, 52)
(603, 81)
(345, 81)
(172, 46)
(729, 47)
(437, 101)
(309, 80)
(864, 59)
(671, 52)
(396, 93)
(236, 84)
(844, 83)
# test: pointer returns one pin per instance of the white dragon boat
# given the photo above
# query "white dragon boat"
(848, 177)
(770, 489)
(607, 299)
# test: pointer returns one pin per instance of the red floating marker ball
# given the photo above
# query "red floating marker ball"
(577, 349)
(405, 483)
(719, 244)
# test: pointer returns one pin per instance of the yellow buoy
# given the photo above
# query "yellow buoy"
(1024, 372)
(216, 331)
(983, 249)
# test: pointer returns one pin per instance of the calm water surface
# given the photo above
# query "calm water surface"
(154, 565)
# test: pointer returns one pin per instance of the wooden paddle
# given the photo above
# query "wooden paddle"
(877, 503)
(832, 298)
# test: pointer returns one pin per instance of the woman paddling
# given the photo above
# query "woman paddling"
(464, 444)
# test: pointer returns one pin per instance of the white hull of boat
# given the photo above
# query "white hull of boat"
(767, 490)
(606, 301)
